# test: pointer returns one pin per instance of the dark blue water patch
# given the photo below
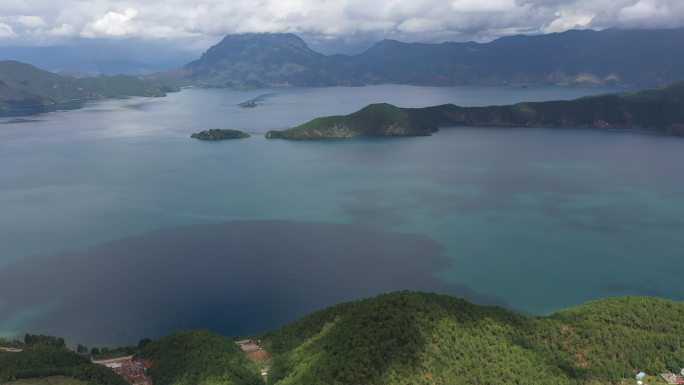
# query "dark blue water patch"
(236, 278)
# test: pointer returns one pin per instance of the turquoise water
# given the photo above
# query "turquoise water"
(115, 225)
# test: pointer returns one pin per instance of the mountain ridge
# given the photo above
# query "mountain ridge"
(613, 56)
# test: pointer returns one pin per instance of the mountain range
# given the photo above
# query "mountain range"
(613, 56)
(618, 57)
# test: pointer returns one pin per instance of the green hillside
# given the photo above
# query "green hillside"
(23, 86)
(197, 357)
(43, 361)
(659, 110)
(407, 338)
(374, 120)
(419, 338)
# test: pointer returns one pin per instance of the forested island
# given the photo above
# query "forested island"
(404, 338)
(219, 134)
(660, 110)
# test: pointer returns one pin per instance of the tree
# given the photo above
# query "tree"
(143, 342)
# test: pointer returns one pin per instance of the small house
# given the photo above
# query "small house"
(671, 378)
(640, 376)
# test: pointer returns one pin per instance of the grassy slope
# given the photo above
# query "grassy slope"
(25, 86)
(194, 357)
(418, 338)
(42, 362)
(659, 110)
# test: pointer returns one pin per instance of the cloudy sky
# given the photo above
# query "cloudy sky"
(196, 23)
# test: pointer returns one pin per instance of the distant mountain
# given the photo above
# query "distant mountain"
(93, 57)
(257, 60)
(659, 110)
(622, 57)
(25, 87)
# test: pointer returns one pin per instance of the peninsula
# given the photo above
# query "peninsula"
(26, 88)
(660, 110)
(219, 134)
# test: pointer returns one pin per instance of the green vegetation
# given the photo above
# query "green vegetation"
(107, 353)
(419, 338)
(197, 357)
(55, 380)
(40, 362)
(219, 134)
(659, 110)
(406, 338)
(24, 87)
(36, 340)
(374, 120)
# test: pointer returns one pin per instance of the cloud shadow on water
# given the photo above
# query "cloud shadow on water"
(237, 278)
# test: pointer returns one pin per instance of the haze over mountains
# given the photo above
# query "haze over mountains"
(85, 57)
(619, 57)
(616, 57)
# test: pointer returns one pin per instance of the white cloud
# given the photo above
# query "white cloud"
(62, 30)
(484, 5)
(112, 24)
(323, 20)
(6, 31)
(566, 20)
(642, 10)
(31, 21)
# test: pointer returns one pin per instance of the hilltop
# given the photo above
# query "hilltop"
(374, 120)
(410, 338)
(659, 110)
(23, 86)
(407, 338)
(613, 56)
(197, 357)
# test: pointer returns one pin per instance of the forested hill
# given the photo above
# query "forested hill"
(659, 110)
(408, 338)
(23, 86)
(199, 357)
(622, 57)
(418, 338)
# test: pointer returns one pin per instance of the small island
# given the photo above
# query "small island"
(660, 110)
(219, 134)
(249, 104)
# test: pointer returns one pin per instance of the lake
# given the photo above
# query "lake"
(115, 225)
